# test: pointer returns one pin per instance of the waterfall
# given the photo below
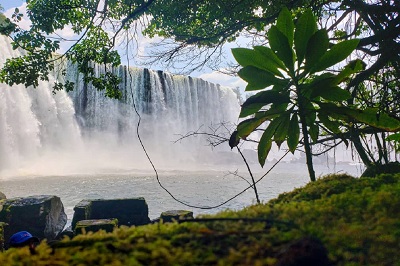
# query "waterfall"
(82, 131)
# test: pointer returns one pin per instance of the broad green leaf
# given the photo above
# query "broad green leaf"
(336, 54)
(373, 117)
(267, 97)
(246, 127)
(394, 137)
(306, 26)
(280, 44)
(332, 93)
(250, 109)
(268, 53)
(285, 24)
(329, 124)
(263, 149)
(282, 130)
(313, 131)
(351, 68)
(248, 57)
(259, 79)
(264, 146)
(369, 116)
(293, 133)
(316, 47)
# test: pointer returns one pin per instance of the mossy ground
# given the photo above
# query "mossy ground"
(357, 219)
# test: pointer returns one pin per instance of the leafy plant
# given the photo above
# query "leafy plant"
(298, 92)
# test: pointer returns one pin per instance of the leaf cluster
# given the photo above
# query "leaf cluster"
(296, 86)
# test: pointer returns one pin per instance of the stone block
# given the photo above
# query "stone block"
(86, 226)
(129, 212)
(172, 215)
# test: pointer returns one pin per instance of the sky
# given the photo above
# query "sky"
(206, 74)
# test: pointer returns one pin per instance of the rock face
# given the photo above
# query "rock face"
(129, 212)
(43, 216)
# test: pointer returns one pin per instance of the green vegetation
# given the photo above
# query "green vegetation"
(360, 105)
(300, 90)
(356, 219)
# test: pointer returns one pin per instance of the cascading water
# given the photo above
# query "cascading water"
(43, 133)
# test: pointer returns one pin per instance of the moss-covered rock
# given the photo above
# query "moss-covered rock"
(175, 215)
(86, 226)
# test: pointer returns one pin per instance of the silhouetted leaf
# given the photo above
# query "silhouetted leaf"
(280, 44)
(316, 47)
(285, 24)
(305, 28)
(336, 54)
(293, 133)
(234, 139)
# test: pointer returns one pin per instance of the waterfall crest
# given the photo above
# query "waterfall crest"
(83, 131)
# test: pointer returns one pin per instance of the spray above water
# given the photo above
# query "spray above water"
(85, 132)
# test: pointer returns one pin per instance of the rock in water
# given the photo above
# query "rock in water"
(133, 211)
(43, 216)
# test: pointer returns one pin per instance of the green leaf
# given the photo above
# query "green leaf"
(267, 97)
(268, 53)
(264, 146)
(285, 24)
(258, 79)
(306, 26)
(369, 116)
(246, 127)
(293, 135)
(248, 57)
(280, 44)
(316, 47)
(282, 130)
(314, 132)
(373, 117)
(250, 109)
(351, 68)
(329, 124)
(333, 93)
(263, 149)
(394, 137)
(336, 54)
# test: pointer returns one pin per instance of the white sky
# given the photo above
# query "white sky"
(206, 74)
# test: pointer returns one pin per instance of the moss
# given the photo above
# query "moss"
(355, 219)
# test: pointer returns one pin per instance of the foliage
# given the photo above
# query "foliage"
(300, 89)
(194, 32)
(355, 218)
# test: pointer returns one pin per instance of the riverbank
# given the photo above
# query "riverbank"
(355, 220)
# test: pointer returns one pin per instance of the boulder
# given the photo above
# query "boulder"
(172, 215)
(86, 226)
(2, 195)
(43, 216)
(133, 211)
